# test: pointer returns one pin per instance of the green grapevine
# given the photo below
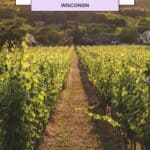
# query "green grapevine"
(30, 83)
(121, 76)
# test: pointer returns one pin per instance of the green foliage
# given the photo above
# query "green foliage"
(50, 35)
(93, 23)
(99, 29)
(104, 118)
(120, 74)
(119, 22)
(7, 13)
(135, 12)
(13, 30)
(129, 34)
(144, 24)
(30, 83)
(99, 117)
(77, 34)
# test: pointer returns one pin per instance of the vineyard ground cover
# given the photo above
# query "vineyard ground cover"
(71, 128)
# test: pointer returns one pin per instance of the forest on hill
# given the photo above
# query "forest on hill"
(58, 28)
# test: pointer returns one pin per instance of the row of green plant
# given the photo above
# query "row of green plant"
(30, 83)
(121, 76)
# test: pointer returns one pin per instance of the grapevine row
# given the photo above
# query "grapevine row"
(121, 76)
(30, 83)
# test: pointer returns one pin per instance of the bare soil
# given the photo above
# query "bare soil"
(70, 129)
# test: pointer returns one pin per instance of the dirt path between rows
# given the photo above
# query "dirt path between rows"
(70, 129)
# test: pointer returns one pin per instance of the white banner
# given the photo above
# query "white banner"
(121, 2)
(23, 2)
(127, 2)
(75, 5)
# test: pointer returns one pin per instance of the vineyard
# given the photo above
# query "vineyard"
(32, 79)
(30, 83)
(121, 76)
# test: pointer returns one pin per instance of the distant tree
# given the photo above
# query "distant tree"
(134, 12)
(129, 35)
(8, 13)
(144, 25)
(13, 30)
(118, 22)
(77, 34)
(50, 35)
(98, 18)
